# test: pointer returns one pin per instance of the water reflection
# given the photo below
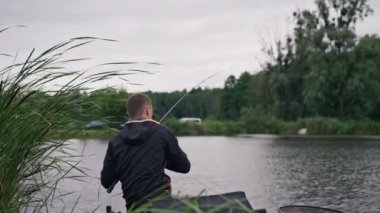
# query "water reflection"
(338, 173)
(341, 173)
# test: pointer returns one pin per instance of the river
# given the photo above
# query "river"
(342, 173)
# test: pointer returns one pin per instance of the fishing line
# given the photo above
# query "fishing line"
(184, 96)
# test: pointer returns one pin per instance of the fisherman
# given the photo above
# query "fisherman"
(139, 154)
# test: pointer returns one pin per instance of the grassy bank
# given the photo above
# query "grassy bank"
(95, 133)
(314, 126)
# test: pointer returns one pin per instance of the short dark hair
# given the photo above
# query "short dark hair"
(135, 104)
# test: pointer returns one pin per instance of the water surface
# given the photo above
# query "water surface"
(341, 173)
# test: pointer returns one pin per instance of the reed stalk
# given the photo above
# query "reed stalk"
(33, 109)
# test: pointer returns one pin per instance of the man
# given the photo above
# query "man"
(138, 155)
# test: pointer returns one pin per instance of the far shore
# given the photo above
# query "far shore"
(109, 133)
(373, 137)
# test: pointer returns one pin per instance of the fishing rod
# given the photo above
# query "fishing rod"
(109, 189)
(184, 96)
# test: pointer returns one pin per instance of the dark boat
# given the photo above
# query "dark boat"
(234, 202)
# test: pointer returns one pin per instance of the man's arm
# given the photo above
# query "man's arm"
(177, 160)
(108, 176)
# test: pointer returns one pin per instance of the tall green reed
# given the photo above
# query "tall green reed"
(32, 111)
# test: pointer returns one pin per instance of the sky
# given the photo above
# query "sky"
(192, 39)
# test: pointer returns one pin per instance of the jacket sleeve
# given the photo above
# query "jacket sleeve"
(176, 159)
(108, 175)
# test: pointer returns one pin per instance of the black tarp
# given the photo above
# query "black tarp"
(234, 202)
(306, 209)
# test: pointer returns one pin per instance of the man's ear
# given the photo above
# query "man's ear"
(146, 111)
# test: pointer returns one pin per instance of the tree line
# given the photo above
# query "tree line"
(322, 69)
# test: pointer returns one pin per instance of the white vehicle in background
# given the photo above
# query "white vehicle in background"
(96, 125)
(190, 120)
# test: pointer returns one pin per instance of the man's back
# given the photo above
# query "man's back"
(137, 157)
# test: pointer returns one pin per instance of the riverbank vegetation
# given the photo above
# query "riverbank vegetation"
(314, 126)
(29, 172)
(210, 127)
(36, 121)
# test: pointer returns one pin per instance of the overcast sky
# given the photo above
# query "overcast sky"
(191, 38)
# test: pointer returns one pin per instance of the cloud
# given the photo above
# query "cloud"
(192, 38)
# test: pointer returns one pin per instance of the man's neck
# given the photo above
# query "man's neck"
(142, 120)
(139, 119)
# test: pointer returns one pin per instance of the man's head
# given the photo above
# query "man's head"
(139, 106)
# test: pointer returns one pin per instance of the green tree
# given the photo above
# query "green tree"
(335, 85)
(317, 72)
(244, 91)
(229, 103)
(109, 104)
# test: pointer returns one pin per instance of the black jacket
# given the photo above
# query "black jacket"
(137, 157)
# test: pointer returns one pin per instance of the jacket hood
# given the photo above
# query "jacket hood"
(138, 132)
